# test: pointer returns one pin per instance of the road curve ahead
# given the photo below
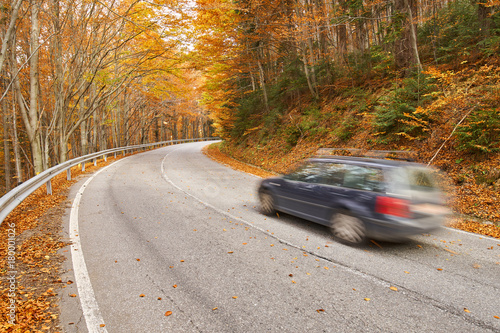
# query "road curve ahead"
(173, 242)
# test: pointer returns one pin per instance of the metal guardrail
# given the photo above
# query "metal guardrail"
(14, 197)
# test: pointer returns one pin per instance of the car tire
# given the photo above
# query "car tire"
(266, 203)
(348, 229)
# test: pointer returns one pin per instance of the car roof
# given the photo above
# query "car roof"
(363, 160)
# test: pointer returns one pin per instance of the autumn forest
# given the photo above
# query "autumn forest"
(275, 79)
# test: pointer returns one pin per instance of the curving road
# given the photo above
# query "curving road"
(172, 230)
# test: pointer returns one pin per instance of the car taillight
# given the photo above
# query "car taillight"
(393, 206)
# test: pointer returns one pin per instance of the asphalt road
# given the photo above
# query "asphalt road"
(172, 230)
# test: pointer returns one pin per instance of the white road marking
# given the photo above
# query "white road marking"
(472, 234)
(88, 302)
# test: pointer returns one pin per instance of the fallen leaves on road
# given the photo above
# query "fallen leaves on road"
(453, 252)
(393, 288)
(168, 313)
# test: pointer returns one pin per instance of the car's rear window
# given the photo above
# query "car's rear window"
(415, 182)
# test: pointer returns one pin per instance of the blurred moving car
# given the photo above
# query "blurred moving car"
(359, 198)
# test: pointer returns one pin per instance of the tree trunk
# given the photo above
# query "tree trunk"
(30, 115)
(84, 141)
(6, 146)
(10, 31)
(34, 131)
(406, 50)
(484, 14)
(58, 83)
(263, 85)
(15, 145)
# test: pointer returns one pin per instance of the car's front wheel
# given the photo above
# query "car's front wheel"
(266, 203)
(348, 228)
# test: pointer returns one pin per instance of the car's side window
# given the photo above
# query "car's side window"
(333, 174)
(364, 178)
(309, 173)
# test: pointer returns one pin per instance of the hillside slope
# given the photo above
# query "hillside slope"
(455, 127)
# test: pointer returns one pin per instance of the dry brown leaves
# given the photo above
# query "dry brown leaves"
(214, 152)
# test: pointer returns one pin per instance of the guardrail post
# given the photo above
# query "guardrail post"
(114, 154)
(83, 166)
(105, 156)
(95, 161)
(68, 174)
(49, 187)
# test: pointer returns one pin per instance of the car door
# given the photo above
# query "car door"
(363, 184)
(332, 191)
(299, 191)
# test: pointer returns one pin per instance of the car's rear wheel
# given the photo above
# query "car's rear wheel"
(348, 228)
(266, 203)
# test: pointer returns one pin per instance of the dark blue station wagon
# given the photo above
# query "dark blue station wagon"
(359, 198)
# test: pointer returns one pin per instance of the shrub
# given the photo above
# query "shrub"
(400, 112)
(481, 132)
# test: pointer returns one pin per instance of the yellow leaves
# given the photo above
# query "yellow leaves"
(466, 310)
(393, 288)
(235, 297)
(142, 295)
(367, 299)
(168, 313)
(320, 310)
(453, 252)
